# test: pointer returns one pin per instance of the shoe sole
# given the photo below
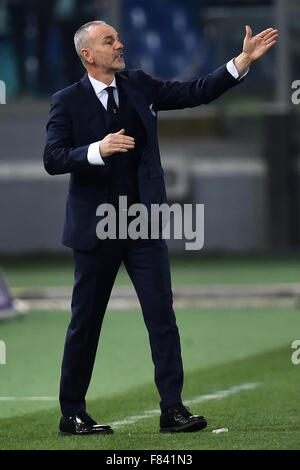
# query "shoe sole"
(63, 433)
(190, 427)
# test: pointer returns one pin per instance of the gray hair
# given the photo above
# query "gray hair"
(81, 36)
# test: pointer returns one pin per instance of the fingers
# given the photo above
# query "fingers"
(115, 149)
(270, 37)
(270, 45)
(271, 41)
(118, 150)
(128, 141)
(270, 34)
(266, 32)
(116, 142)
(123, 145)
(248, 32)
(120, 137)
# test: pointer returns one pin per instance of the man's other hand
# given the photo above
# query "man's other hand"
(114, 143)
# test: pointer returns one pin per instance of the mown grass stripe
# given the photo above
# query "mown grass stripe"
(28, 398)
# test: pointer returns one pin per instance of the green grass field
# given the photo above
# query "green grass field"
(223, 349)
(186, 270)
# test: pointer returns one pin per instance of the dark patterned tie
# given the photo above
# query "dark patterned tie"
(112, 108)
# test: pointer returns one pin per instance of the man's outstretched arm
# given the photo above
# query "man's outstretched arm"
(178, 95)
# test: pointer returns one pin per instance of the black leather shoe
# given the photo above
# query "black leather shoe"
(81, 424)
(178, 419)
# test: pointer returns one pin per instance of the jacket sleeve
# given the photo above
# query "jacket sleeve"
(59, 155)
(169, 95)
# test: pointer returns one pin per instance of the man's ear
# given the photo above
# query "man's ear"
(87, 56)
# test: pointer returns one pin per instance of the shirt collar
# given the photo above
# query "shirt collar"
(100, 86)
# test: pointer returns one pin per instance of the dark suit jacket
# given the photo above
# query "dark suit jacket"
(75, 121)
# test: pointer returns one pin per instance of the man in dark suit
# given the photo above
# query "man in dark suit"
(102, 130)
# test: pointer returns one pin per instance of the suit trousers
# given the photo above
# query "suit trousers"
(147, 263)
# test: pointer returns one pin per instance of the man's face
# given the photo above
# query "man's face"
(104, 49)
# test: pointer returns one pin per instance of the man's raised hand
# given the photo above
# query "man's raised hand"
(254, 47)
(114, 143)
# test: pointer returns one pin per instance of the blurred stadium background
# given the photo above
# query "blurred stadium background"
(239, 156)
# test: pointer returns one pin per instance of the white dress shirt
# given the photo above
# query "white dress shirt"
(94, 155)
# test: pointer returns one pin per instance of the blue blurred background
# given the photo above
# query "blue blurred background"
(171, 39)
(239, 156)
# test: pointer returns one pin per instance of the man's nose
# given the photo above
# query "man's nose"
(119, 45)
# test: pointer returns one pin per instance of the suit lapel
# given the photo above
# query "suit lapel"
(92, 108)
(137, 99)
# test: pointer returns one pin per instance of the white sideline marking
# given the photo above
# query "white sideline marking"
(150, 413)
(210, 396)
(223, 393)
